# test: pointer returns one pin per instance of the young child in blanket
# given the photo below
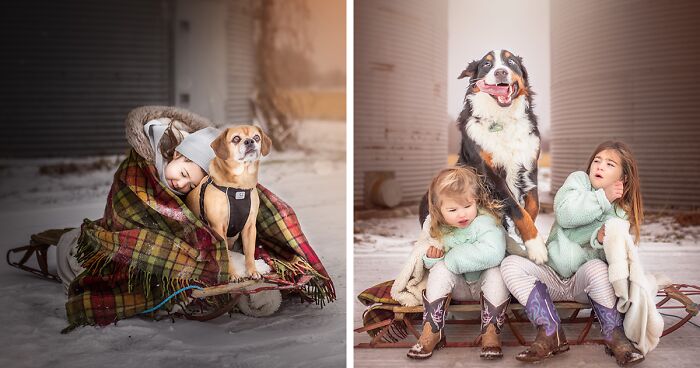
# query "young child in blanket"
(576, 268)
(178, 143)
(465, 221)
(181, 159)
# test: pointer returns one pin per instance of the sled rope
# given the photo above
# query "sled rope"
(170, 297)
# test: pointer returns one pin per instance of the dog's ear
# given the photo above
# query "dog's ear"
(266, 143)
(471, 70)
(522, 67)
(220, 146)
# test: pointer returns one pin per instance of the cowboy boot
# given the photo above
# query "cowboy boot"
(492, 319)
(433, 336)
(616, 343)
(550, 338)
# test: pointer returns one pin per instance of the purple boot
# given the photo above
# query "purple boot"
(550, 338)
(616, 343)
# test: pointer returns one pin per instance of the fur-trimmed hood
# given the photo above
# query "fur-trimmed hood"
(184, 120)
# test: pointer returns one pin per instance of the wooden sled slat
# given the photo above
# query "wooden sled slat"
(239, 287)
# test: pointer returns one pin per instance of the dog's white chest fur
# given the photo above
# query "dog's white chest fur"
(505, 134)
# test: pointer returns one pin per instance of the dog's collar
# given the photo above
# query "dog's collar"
(226, 189)
(495, 126)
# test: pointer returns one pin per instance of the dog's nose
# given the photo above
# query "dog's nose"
(500, 73)
(248, 142)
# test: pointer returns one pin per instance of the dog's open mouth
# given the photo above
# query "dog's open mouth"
(502, 92)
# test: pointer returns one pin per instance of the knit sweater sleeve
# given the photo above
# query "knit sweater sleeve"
(616, 213)
(430, 262)
(486, 250)
(577, 204)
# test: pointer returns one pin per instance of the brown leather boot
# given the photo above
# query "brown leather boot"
(492, 319)
(622, 349)
(544, 346)
(550, 338)
(616, 342)
(491, 344)
(432, 337)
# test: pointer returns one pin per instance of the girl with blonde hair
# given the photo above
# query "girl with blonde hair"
(468, 244)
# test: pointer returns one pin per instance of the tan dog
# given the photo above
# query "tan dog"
(228, 196)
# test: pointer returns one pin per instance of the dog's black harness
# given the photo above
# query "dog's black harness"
(238, 204)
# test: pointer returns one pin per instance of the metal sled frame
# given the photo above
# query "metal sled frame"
(674, 297)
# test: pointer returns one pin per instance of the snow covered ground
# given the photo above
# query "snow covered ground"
(381, 246)
(32, 311)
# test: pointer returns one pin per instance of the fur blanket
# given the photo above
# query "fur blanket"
(184, 120)
(408, 286)
(636, 290)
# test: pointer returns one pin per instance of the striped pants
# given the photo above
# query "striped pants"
(591, 279)
(441, 281)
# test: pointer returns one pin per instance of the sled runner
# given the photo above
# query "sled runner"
(389, 323)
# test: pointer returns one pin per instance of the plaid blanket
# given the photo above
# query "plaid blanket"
(149, 244)
(381, 294)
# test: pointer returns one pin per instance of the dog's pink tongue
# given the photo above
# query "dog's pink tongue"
(493, 89)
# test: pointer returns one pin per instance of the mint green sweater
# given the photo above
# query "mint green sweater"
(579, 212)
(468, 251)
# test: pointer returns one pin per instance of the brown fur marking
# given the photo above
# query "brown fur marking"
(487, 157)
(532, 204)
(526, 225)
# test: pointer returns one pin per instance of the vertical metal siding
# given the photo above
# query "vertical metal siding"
(400, 92)
(71, 71)
(628, 70)
(241, 61)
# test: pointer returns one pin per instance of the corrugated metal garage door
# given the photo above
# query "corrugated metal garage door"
(71, 71)
(400, 93)
(628, 70)
(241, 61)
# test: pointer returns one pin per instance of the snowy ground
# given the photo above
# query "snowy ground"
(311, 180)
(382, 245)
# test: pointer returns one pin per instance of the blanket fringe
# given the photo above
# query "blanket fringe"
(319, 289)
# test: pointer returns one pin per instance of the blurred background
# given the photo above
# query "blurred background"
(72, 69)
(600, 69)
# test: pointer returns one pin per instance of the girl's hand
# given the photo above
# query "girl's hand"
(434, 252)
(601, 234)
(613, 191)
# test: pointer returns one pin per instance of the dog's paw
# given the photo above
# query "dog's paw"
(253, 274)
(536, 250)
(234, 276)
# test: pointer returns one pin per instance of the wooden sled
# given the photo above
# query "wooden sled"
(38, 246)
(231, 294)
(390, 330)
(226, 296)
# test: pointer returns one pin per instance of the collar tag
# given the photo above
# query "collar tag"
(495, 127)
(240, 195)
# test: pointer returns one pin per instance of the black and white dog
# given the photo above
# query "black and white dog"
(501, 141)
